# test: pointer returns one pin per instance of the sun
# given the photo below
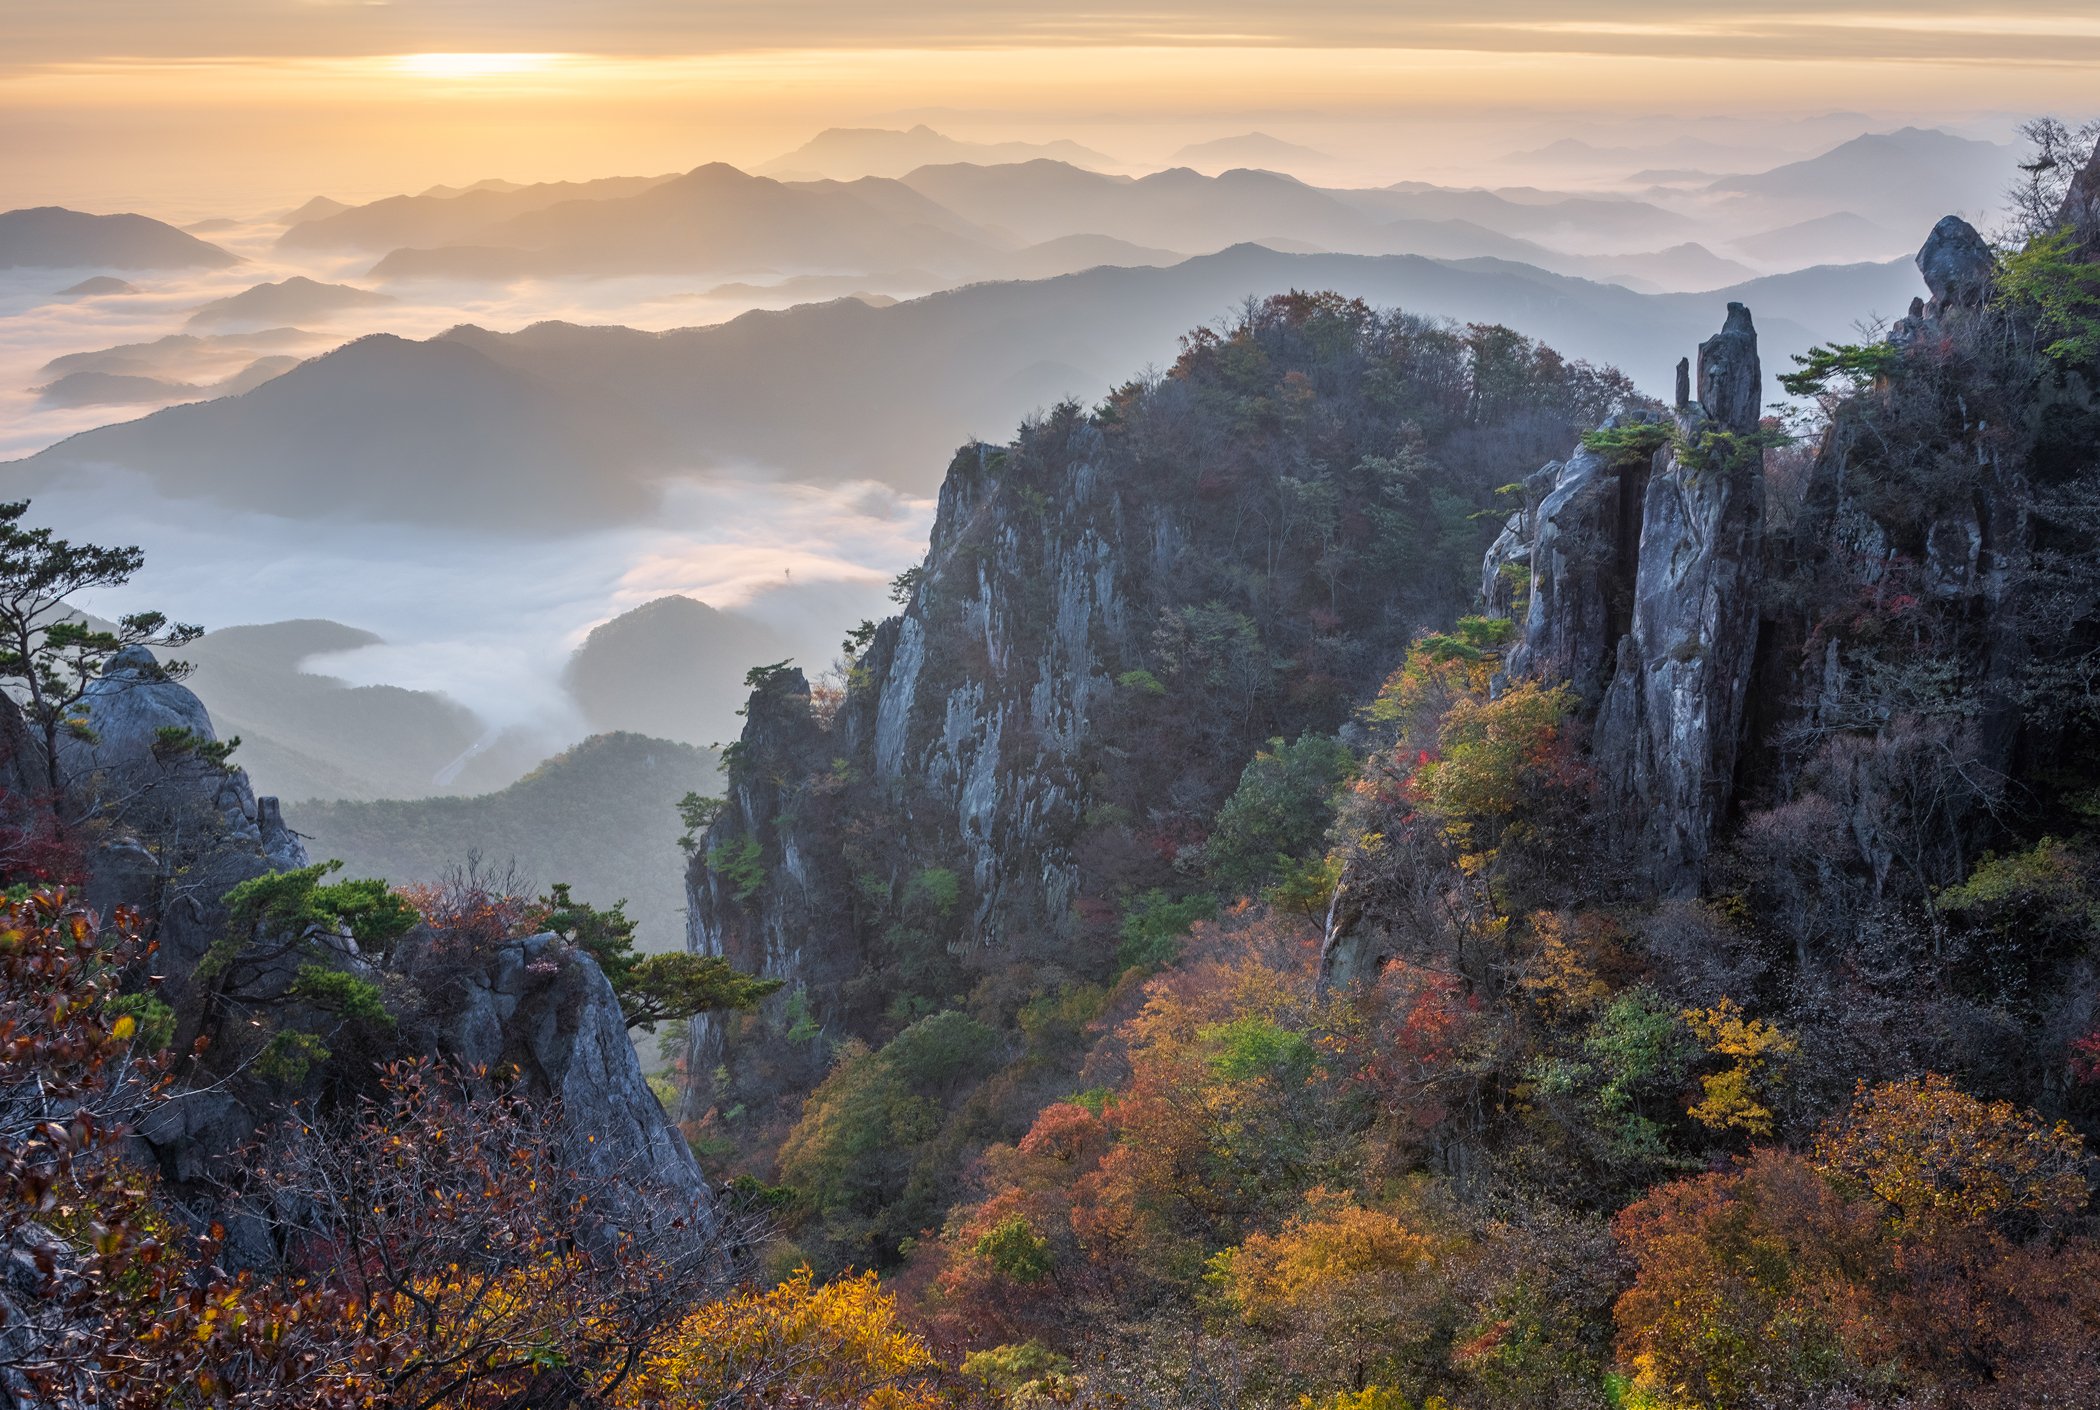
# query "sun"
(472, 65)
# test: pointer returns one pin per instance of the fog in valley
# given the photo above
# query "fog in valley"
(433, 439)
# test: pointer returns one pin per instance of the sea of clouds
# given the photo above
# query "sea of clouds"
(485, 618)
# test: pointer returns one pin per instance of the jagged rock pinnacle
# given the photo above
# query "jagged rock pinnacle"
(2081, 208)
(1731, 386)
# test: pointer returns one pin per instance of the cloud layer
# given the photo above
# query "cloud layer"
(64, 31)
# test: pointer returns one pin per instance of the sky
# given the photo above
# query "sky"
(194, 108)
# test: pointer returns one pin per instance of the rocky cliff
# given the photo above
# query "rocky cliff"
(1642, 558)
(1116, 611)
(1717, 663)
(171, 830)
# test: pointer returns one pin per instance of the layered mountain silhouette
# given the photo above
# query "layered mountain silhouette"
(52, 237)
(1257, 149)
(131, 388)
(845, 153)
(306, 735)
(442, 217)
(1907, 178)
(959, 220)
(713, 218)
(1184, 209)
(1837, 238)
(557, 425)
(919, 208)
(438, 427)
(293, 300)
(176, 351)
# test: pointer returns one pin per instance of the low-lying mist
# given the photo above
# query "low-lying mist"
(492, 620)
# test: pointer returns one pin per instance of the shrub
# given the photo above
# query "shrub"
(1280, 811)
(1154, 924)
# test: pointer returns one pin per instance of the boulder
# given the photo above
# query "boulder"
(179, 830)
(1957, 265)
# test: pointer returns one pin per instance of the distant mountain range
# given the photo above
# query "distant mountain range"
(1904, 179)
(131, 389)
(52, 237)
(954, 220)
(442, 219)
(177, 350)
(1838, 238)
(921, 209)
(558, 426)
(1250, 149)
(713, 218)
(438, 426)
(846, 153)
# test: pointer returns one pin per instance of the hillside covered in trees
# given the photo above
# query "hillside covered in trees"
(1375, 869)
(1243, 943)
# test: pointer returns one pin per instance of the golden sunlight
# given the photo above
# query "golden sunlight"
(472, 65)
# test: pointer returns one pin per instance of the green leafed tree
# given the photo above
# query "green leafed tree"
(49, 656)
(652, 989)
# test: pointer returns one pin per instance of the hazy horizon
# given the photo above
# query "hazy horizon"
(233, 106)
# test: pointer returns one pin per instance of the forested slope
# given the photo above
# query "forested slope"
(1225, 968)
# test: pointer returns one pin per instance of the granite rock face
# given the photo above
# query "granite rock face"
(544, 1010)
(1644, 598)
(1670, 727)
(2081, 208)
(1957, 265)
(968, 714)
(178, 831)
(770, 825)
(1582, 560)
(185, 830)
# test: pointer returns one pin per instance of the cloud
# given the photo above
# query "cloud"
(491, 621)
(63, 31)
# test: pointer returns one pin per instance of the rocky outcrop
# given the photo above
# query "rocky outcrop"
(1670, 726)
(542, 1010)
(1958, 268)
(1118, 610)
(1584, 540)
(1644, 598)
(764, 889)
(964, 731)
(2081, 208)
(1957, 264)
(173, 829)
